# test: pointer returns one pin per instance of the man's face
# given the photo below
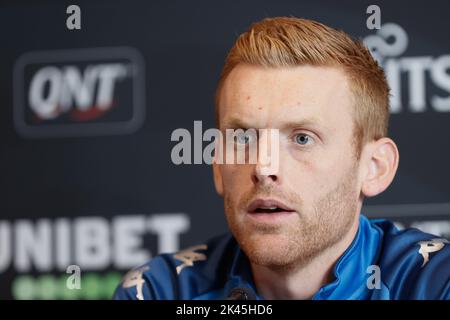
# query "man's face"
(287, 217)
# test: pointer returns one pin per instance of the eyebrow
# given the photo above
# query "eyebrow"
(234, 123)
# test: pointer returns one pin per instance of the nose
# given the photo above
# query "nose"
(266, 170)
(259, 177)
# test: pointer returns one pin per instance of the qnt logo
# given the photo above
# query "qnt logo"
(80, 92)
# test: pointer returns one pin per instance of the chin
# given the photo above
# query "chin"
(270, 250)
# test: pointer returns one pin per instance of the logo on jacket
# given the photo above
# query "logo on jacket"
(189, 256)
(134, 279)
(433, 245)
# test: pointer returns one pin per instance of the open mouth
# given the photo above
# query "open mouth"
(268, 206)
(268, 210)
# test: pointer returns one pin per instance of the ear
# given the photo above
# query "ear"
(217, 178)
(217, 173)
(381, 163)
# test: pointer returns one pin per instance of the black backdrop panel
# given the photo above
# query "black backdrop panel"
(96, 187)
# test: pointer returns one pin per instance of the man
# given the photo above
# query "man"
(297, 232)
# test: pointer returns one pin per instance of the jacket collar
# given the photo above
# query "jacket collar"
(350, 271)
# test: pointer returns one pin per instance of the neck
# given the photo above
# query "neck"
(302, 283)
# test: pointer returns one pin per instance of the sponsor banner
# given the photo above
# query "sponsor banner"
(40, 254)
(79, 92)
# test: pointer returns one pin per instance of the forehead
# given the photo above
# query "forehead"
(272, 97)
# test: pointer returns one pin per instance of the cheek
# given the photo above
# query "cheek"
(312, 173)
(235, 176)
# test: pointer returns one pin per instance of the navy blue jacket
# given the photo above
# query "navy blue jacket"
(381, 263)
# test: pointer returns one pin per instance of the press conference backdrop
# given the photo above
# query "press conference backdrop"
(87, 116)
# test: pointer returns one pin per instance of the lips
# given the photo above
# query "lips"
(268, 206)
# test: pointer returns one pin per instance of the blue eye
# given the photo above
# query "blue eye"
(302, 139)
(243, 138)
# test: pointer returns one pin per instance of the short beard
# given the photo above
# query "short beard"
(294, 246)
